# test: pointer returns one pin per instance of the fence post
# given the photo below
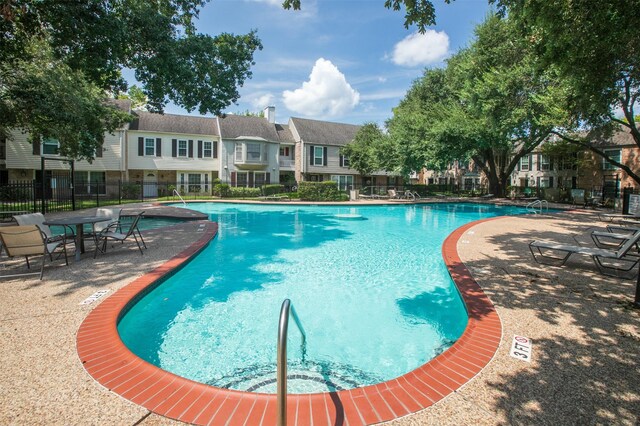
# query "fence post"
(119, 191)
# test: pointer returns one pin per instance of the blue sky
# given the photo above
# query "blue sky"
(346, 61)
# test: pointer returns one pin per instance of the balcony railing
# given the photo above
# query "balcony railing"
(286, 162)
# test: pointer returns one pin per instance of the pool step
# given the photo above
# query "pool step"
(307, 377)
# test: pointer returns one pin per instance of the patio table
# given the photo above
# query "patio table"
(79, 222)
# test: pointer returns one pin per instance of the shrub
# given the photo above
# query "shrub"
(320, 191)
(131, 191)
(221, 190)
(242, 192)
(272, 189)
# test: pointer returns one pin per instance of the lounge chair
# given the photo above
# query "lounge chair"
(111, 232)
(29, 240)
(577, 197)
(622, 255)
(393, 194)
(612, 240)
(610, 217)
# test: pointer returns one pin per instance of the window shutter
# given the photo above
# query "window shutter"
(268, 178)
(36, 147)
(538, 182)
(551, 164)
(158, 147)
(174, 147)
(250, 179)
(324, 156)
(140, 146)
(550, 181)
(215, 149)
(199, 149)
(233, 178)
(539, 160)
(190, 148)
(519, 159)
(99, 151)
(311, 147)
(341, 161)
(530, 162)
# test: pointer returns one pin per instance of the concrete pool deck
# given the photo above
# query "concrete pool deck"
(585, 334)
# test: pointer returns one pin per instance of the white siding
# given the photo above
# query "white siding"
(333, 162)
(166, 161)
(20, 155)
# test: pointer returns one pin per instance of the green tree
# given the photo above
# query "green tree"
(489, 105)
(137, 97)
(363, 152)
(421, 13)
(595, 45)
(91, 42)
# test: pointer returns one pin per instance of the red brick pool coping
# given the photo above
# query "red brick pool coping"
(115, 367)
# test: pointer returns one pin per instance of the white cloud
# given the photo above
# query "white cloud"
(261, 100)
(421, 49)
(327, 93)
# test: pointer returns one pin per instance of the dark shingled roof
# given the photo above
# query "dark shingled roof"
(325, 132)
(122, 104)
(284, 133)
(237, 126)
(621, 137)
(172, 123)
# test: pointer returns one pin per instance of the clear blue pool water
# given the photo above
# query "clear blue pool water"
(368, 283)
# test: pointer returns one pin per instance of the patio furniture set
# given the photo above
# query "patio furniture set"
(33, 236)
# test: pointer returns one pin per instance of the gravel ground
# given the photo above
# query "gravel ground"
(585, 367)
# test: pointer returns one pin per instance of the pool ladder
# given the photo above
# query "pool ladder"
(175, 191)
(531, 207)
(283, 326)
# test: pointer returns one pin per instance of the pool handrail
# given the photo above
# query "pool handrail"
(175, 191)
(286, 310)
(539, 203)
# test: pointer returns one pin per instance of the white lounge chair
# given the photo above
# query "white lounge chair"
(622, 256)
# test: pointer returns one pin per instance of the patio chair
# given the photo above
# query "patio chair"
(111, 233)
(38, 220)
(111, 214)
(577, 197)
(621, 256)
(393, 194)
(29, 240)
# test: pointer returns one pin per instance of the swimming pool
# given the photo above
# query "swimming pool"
(373, 295)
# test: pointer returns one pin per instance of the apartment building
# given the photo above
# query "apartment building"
(318, 145)
(190, 152)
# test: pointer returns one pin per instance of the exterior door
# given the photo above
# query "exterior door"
(150, 184)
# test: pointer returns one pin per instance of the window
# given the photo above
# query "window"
(90, 182)
(614, 154)
(182, 148)
(344, 161)
(50, 147)
(284, 151)
(242, 179)
(345, 182)
(260, 178)
(253, 152)
(524, 163)
(194, 182)
(182, 182)
(544, 162)
(150, 146)
(318, 156)
(207, 149)
(238, 152)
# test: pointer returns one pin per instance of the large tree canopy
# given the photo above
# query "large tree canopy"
(595, 46)
(489, 105)
(89, 43)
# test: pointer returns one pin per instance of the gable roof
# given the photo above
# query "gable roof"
(324, 132)
(284, 133)
(620, 137)
(239, 126)
(173, 123)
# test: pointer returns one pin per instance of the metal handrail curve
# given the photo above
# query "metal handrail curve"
(283, 326)
(531, 206)
(175, 191)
